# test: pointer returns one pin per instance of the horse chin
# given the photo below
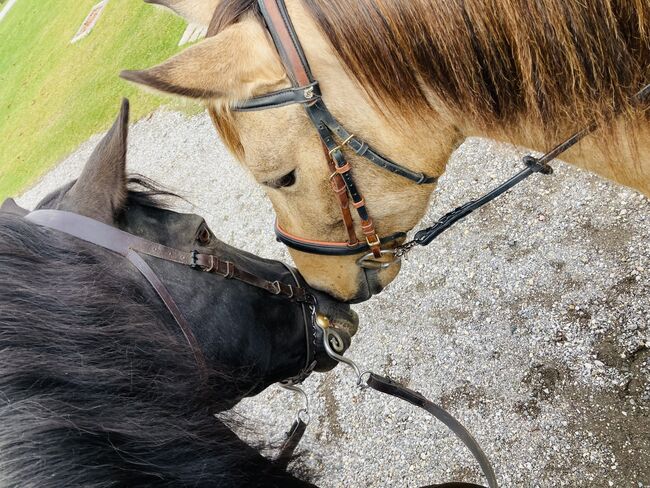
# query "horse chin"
(372, 282)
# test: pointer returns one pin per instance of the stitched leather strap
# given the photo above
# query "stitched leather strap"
(121, 242)
(388, 386)
(281, 98)
(341, 193)
(328, 248)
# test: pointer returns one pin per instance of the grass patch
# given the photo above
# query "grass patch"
(54, 95)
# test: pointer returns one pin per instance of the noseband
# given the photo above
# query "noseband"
(380, 252)
(132, 247)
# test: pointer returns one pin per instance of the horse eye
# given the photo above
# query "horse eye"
(204, 236)
(284, 181)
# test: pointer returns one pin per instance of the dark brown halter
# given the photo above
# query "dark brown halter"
(131, 247)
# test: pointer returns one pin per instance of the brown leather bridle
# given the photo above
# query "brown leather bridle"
(132, 248)
(305, 90)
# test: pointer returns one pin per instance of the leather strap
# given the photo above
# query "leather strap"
(121, 242)
(389, 387)
(281, 98)
(424, 237)
(169, 302)
(328, 248)
(293, 438)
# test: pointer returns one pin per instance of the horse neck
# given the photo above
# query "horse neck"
(617, 151)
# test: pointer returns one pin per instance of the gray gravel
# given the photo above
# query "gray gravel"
(529, 322)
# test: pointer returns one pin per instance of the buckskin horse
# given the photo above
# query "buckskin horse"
(404, 83)
(104, 381)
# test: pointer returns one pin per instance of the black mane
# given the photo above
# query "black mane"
(97, 387)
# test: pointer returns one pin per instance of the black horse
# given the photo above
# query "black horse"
(98, 385)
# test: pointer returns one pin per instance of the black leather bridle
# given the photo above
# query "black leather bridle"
(379, 252)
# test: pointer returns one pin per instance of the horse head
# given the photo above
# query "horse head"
(282, 150)
(413, 80)
(238, 327)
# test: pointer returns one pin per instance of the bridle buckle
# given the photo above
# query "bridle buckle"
(375, 242)
(342, 145)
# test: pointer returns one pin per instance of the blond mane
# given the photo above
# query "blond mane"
(495, 61)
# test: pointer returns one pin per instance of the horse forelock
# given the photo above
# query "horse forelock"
(494, 61)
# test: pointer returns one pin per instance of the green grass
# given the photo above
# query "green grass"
(54, 95)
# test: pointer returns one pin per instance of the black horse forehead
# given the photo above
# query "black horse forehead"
(160, 225)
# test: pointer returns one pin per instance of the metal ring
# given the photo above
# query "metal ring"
(303, 416)
(361, 383)
(368, 261)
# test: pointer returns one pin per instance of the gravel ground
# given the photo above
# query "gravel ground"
(529, 322)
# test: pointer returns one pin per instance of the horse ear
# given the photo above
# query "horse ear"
(233, 65)
(100, 192)
(194, 11)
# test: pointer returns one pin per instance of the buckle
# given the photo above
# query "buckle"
(536, 167)
(276, 290)
(376, 242)
(208, 270)
(340, 146)
(194, 256)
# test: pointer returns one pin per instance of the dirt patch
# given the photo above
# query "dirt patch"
(622, 427)
(329, 422)
(466, 395)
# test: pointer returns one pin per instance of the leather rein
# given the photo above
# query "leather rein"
(379, 252)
